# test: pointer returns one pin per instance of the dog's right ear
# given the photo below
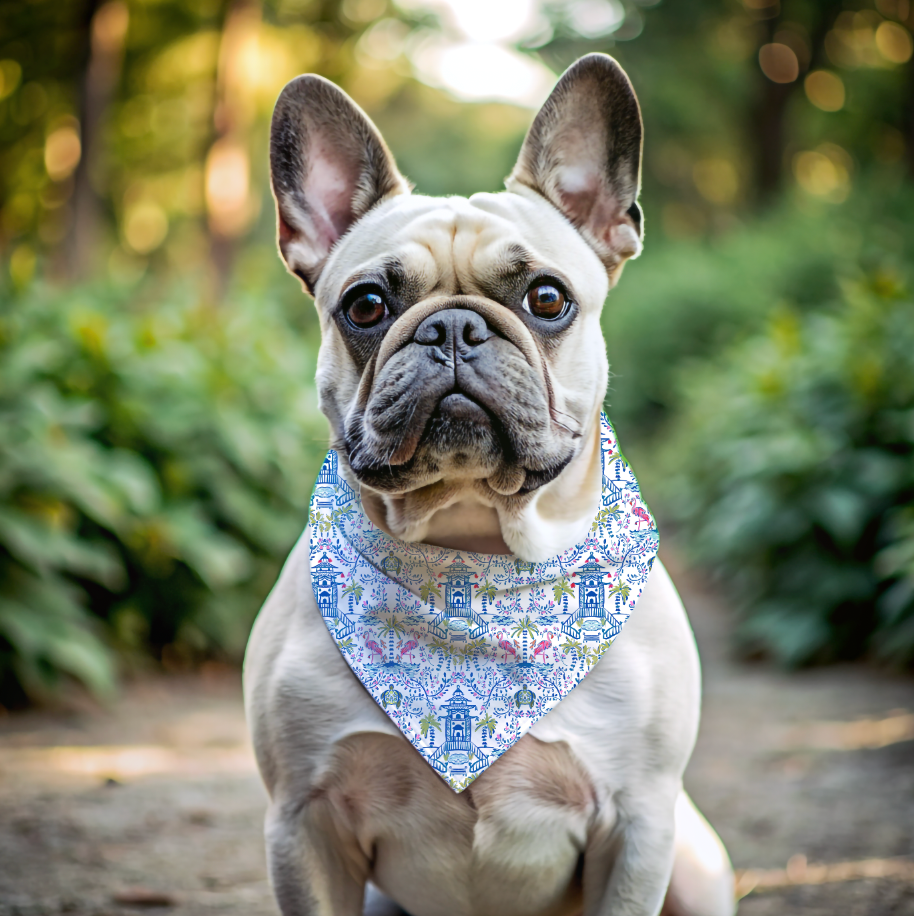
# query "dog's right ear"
(328, 167)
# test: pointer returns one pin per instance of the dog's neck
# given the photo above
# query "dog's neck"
(556, 517)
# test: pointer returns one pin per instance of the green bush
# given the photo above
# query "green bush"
(688, 299)
(791, 469)
(156, 455)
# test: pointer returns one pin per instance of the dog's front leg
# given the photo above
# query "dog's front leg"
(627, 870)
(314, 868)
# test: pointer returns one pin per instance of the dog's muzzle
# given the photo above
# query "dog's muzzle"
(459, 383)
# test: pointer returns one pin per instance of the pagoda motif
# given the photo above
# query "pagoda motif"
(611, 492)
(590, 617)
(329, 477)
(329, 470)
(326, 592)
(463, 757)
(458, 620)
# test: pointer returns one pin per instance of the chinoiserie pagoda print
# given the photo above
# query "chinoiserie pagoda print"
(329, 477)
(458, 755)
(590, 617)
(458, 619)
(324, 577)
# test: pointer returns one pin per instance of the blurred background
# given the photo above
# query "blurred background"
(158, 429)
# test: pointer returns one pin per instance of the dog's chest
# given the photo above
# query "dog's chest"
(510, 844)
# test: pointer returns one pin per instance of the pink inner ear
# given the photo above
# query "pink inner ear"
(579, 189)
(329, 189)
(590, 205)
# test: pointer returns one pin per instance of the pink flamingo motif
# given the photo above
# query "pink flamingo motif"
(374, 647)
(409, 648)
(642, 516)
(507, 648)
(543, 647)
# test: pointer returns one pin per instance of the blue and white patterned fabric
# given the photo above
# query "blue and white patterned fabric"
(465, 651)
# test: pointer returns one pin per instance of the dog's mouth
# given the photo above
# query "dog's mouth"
(459, 407)
(461, 437)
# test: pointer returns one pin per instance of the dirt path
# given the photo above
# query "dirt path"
(158, 798)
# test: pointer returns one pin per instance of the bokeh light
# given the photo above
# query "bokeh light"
(717, 180)
(62, 151)
(228, 187)
(894, 42)
(483, 72)
(824, 172)
(145, 226)
(825, 90)
(779, 62)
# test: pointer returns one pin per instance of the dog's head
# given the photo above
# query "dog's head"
(461, 349)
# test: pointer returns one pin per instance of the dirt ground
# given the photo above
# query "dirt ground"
(808, 778)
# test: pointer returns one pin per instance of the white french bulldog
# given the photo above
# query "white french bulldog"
(462, 369)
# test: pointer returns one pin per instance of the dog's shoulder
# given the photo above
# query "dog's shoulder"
(301, 697)
(636, 712)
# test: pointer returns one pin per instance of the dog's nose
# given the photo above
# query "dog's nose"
(453, 329)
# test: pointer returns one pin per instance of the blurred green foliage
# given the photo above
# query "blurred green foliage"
(159, 430)
(684, 300)
(156, 456)
(791, 469)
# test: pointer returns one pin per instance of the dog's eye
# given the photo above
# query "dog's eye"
(367, 310)
(546, 301)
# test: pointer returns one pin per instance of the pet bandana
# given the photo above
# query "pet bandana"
(465, 651)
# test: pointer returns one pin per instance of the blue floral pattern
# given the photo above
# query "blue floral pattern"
(465, 651)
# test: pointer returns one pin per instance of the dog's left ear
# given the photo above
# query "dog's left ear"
(583, 154)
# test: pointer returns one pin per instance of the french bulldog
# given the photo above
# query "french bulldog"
(462, 369)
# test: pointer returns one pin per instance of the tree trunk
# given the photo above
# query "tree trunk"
(229, 203)
(104, 30)
(908, 113)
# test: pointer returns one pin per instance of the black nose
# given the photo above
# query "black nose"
(453, 329)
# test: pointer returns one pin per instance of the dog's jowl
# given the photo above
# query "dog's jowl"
(474, 689)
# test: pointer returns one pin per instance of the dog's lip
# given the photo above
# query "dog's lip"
(458, 405)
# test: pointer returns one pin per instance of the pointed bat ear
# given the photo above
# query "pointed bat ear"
(583, 154)
(328, 167)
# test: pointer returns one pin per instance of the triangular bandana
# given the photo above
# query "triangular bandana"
(466, 651)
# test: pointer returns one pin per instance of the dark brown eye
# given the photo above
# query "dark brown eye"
(546, 301)
(367, 310)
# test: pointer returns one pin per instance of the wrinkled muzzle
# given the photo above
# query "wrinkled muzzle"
(458, 388)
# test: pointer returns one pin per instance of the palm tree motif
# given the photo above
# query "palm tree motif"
(594, 653)
(486, 590)
(604, 517)
(562, 590)
(442, 646)
(429, 723)
(426, 590)
(320, 521)
(354, 592)
(488, 725)
(337, 515)
(391, 628)
(571, 645)
(525, 627)
(619, 591)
